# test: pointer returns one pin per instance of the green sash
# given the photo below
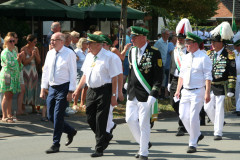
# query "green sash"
(146, 86)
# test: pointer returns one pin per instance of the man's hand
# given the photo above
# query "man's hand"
(230, 94)
(114, 101)
(207, 97)
(120, 96)
(177, 94)
(69, 96)
(43, 93)
(151, 100)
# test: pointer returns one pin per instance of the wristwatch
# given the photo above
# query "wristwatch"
(113, 94)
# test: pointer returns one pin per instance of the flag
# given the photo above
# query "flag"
(234, 26)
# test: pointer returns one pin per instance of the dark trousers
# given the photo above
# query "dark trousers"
(175, 106)
(98, 103)
(56, 106)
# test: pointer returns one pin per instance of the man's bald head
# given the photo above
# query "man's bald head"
(56, 27)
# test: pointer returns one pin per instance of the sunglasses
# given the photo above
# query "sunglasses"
(11, 41)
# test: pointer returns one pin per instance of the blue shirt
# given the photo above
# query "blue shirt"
(128, 40)
(81, 55)
(171, 47)
(163, 48)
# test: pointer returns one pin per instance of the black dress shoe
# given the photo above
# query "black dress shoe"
(115, 125)
(180, 132)
(97, 154)
(149, 145)
(191, 149)
(137, 155)
(143, 157)
(52, 149)
(200, 138)
(70, 138)
(217, 138)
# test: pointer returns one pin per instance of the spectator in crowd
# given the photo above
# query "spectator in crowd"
(162, 45)
(1, 42)
(55, 27)
(75, 37)
(81, 52)
(30, 75)
(125, 62)
(10, 77)
(21, 108)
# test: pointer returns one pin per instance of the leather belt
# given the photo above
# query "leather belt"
(191, 89)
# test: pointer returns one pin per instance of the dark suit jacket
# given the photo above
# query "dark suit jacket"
(153, 75)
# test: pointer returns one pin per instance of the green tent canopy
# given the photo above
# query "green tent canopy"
(39, 8)
(109, 10)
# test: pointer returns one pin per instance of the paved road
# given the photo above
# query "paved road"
(29, 138)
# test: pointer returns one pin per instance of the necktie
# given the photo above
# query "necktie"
(93, 64)
(53, 67)
(189, 69)
(215, 57)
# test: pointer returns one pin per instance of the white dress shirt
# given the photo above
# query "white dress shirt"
(65, 68)
(237, 60)
(141, 51)
(201, 69)
(102, 70)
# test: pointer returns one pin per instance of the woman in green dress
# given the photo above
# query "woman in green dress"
(9, 76)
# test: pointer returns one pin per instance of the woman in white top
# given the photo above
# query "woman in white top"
(81, 52)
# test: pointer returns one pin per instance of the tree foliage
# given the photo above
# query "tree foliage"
(196, 10)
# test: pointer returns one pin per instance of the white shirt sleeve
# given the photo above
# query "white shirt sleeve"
(207, 68)
(72, 71)
(115, 66)
(45, 73)
(183, 67)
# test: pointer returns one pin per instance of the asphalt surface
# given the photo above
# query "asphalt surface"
(28, 138)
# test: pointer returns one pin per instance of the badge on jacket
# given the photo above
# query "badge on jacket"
(159, 62)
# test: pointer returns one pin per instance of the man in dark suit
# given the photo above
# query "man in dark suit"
(144, 82)
(224, 76)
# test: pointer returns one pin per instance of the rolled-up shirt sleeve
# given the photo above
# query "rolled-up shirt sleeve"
(45, 73)
(72, 71)
(115, 66)
(207, 68)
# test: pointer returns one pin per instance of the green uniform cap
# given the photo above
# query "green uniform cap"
(237, 43)
(106, 39)
(95, 38)
(135, 31)
(193, 37)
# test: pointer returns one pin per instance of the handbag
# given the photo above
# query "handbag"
(7, 78)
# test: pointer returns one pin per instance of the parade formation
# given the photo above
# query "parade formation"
(90, 68)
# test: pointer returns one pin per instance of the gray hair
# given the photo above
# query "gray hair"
(55, 25)
(80, 42)
(163, 30)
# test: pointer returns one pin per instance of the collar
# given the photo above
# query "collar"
(59, 50)
(219, 52)
(100, 53)
(143, 48)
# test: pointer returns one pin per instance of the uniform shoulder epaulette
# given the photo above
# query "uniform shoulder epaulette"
(154, 48)
(231, 54)
(209, 52)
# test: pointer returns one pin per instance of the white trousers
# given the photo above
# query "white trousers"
(110, 122)
(189, 108)
(215, 111)
(138, 120)
(237, 94)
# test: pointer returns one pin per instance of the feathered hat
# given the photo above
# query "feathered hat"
(183, 27)
(236, 39)
(222, 33)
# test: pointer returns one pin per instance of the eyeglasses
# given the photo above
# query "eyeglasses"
(11, 41)
(54, 40)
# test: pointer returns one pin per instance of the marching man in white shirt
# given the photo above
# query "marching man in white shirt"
(236, 43)
(195, 75)
(59, 73)
(100, 73)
